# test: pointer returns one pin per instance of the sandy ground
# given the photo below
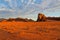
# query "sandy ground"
(30, 30)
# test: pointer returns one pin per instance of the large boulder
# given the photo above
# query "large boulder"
(41, 17)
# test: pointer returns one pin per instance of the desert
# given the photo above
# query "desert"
(30, 30)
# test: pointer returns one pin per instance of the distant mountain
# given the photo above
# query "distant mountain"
(2, 19)
(17, 19)
(54, 18)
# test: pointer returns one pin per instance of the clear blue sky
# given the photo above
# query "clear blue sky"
(29, 8)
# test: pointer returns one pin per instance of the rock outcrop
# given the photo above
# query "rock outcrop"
(41, 17)
(20, 19)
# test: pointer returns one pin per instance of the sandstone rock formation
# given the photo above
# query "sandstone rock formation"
(20, 19)
(41, 17)
(11, 19)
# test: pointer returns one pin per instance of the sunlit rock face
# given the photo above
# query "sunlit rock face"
(41, 17)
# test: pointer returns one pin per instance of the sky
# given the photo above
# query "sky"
(29, 8)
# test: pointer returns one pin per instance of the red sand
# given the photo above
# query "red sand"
(32, 30)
